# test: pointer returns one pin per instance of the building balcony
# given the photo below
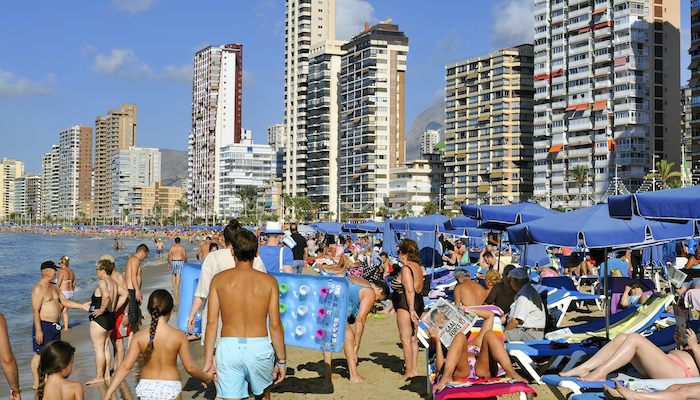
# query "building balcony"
(542, 95)
(580, 126)
(630, 106)
(603, 71)
(621, 94)
(540, 156)
(580, 88)
(558, 79)
(541, 35)
(602, 96)
(603, 84)
(601, 123)
(573, 50)
(578, 25)
(541, 120)
(581, 37)
(602, 32)
(540, 168)
(639, 119)
(578, 63)
(541, 107)
(559, 129)
(559, 104)
(580, 11)
(559, 92)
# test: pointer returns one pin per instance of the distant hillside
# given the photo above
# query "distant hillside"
(431, 118)
(173, 167)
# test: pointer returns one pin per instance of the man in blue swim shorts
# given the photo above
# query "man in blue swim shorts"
(246, 361)
(177, 257)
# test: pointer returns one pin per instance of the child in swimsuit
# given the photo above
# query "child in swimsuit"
(55, 365)
(160, 346)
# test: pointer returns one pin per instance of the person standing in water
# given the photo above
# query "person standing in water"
(65, 280)
(177, 257)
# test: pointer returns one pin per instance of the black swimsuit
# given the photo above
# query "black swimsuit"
(400, 301)
(106, 319)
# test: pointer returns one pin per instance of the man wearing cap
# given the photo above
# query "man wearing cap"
(527, 316)
(47, 303)
(300, 251)
(275, 257)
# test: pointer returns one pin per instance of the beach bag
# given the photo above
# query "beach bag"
(615, 273)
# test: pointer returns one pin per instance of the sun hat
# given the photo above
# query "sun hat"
(518, 273)
(273, 227)
(107, 257)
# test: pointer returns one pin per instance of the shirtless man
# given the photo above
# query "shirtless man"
(177, 257)
(133, 284)
(160, 247)
(487, 249)
(65, 280)
(460, 249)
(203, 249)
(692, 260)
(467, 292)
(121, 326)
(492, 262)
(47, 303)
(246, 298)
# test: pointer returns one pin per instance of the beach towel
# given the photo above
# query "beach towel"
(480, 388)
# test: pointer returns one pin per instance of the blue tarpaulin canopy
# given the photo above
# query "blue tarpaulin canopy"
(389, 241)
(501, 217)
(681, 203)
(594, 228)
(461, 223)
(333, 228)
(371, 226)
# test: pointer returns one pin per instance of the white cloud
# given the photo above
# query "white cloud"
(447, 48)
(249, 79)
(514, 23)
(351, 16)
(123, 63)
(439, 95)
(134, 6)
(12, 85)
(87, 50)
(200, 46)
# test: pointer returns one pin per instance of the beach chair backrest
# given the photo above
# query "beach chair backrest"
(559, 282)
(618, 286)
(616, 263)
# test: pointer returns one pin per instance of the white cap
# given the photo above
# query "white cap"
(518, 273)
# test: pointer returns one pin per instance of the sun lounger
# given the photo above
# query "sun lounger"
(524, 352)
(578, 387)
(637, 321)
(484, 388)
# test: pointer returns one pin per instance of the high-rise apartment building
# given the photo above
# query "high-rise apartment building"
(275, 136)
(242, 164)
(428, 140)
(307, 23)
(607, 82)
(322, 123)
(694, 85)
(49, 182)
(416, 183)
(488, 133)
(372, 93)
(114, 131)
(687, 135)
(137, 166)
(217, 93)
(27, 197)
(75, 171)
(10, 169)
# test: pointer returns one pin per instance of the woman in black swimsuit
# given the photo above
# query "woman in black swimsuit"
(408, 303)
(107, 297)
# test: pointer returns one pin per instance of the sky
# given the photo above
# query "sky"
(65, 63)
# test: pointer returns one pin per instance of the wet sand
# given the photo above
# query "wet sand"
(380, 361)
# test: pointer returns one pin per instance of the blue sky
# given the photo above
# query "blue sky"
(65, 63)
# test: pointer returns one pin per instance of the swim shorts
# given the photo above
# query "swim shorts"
(176, 266)
(159, 251)
(133, 307)
(243, 361)
(120, 331)
(51, 332)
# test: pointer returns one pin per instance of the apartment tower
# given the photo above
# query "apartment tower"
(217, 93)
(322, 123)
(307, 23)
(428, 140)
(75, 171)
(10, 169)
(49, 182)
(114, 131)
(607, 84)
(694, 85)
(372, 93)
(136, 166)
(27, 196)
(488, 133)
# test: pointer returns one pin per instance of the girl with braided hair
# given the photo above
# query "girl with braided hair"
(160, 346)
(55, 365)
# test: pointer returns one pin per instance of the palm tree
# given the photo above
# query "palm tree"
(580, 174)
(430, 208)
(158, 211)
(402, 213)
(287, 202)
(125, 213)
(664, 172)
(383, 212)
(345, 215)
(330, 215)
(248, 194)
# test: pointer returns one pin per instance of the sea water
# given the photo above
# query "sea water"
(21, 255)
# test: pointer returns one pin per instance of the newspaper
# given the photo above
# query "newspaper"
(451, 320)
(681, 314)
(675, 276)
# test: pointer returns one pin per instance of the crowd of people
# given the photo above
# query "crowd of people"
(242, 333)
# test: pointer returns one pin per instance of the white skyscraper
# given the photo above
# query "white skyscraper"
(217, 90)
(49, 182)
(308, 22)
(428, 140)
(74, 170)
(138, 166)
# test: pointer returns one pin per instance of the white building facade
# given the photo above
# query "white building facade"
(49, 182)
(138, 166)
(428, 140)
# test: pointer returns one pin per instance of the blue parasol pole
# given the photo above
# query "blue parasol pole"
(607, 298)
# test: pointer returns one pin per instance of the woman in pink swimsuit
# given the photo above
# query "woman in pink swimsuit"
(644, 356)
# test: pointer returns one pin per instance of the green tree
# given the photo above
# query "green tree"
(580, 174)
(345, 215)
(383, 212)
(430, 208)
(125, 214)
(330, 215)
(402, 213)
(664, 172)
(157, 211)
(287, 203)
(248, 195)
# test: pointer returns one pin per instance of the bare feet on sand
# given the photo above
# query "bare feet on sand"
(409, 375)
(97, 380)
(357, 379)
(516, 376)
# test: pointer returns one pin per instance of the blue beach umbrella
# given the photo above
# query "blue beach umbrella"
(501, 217)
(371, 226)
(681, 203)
(389, 242)
(333, 228)
(461, 222)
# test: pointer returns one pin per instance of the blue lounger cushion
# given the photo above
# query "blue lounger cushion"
(555, 380)
(543, 349)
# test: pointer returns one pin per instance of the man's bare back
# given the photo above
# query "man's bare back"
(177, 252)
(244, 315)
(469, 293)
(203, 250)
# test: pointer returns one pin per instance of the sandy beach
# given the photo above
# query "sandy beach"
(380, 360)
